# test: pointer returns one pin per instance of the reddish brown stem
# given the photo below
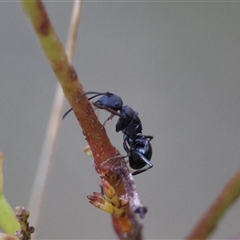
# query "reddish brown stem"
(208, 223)
(94, 132)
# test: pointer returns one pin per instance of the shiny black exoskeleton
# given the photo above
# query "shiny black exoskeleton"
(137, 145)
(139, 151)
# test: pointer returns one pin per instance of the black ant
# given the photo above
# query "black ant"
(137, 145)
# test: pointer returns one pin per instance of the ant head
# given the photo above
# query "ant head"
(109, 100)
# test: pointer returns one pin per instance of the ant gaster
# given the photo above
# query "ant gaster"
(137, 145)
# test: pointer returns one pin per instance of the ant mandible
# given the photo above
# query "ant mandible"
(137, 145)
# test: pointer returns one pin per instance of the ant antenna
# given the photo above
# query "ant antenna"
(96, 95)
(79, 98)
(66, 113)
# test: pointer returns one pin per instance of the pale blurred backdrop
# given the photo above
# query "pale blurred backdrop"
(176, 63)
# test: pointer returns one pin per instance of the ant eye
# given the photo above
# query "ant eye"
(116, 103)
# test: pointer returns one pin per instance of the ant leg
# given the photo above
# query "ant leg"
(148, 137)
(150, 165)
(126, 149)
(112, 111)
(125, 146)
(107, 109)
(141, 171)
(66, 113)
(119, 156)
(108, 119)
(113, 159)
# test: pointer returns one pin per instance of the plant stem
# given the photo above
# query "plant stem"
(208, 223)
(52, 131)
(93, 130)
(8, 222)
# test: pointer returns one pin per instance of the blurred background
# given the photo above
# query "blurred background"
(176, 63)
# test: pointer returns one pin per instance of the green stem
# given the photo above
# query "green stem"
(8, 221)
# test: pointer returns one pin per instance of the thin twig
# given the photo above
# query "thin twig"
(73, 30)
(52, 131)
(208, 223)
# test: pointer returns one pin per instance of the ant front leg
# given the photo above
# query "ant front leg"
(108, 119)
